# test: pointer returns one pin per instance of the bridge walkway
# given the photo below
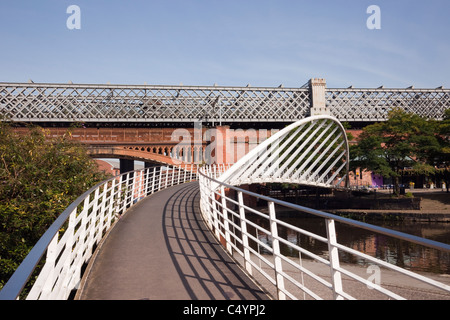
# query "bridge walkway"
(162, 250)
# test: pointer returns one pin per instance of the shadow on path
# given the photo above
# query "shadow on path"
(161, 249)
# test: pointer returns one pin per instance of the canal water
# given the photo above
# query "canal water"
(406, 255)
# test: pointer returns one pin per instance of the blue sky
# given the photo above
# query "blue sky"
(231, 43)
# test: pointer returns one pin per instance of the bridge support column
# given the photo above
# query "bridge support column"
(150, 165)
(318, 102)
(126, 165)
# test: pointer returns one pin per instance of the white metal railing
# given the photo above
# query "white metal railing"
(226, 213)
(70, 241)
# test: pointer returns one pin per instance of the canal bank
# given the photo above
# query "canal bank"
(393, 215)
(418, 205)
(433, 205)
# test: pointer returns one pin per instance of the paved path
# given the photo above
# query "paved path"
(161, 249)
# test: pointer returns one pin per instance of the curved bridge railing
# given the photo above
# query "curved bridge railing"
(70, 241)
(254, 239)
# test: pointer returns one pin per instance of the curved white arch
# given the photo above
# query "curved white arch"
(312, 151)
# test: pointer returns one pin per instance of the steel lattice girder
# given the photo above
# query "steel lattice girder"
(106, 103)
(131, 103)
(374, 104)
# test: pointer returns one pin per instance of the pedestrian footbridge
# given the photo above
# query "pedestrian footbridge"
(191, 232)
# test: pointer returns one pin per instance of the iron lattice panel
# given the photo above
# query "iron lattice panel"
(374, 104)
(108, 103)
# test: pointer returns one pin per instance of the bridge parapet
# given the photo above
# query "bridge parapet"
(70, 241)
(288, 268)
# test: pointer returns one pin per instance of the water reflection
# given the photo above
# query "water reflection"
(398, 252)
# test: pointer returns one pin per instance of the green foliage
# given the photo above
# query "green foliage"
(444, 154)
(403, 141)
(39, 178)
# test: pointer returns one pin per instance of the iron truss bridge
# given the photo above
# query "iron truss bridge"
(43, 102)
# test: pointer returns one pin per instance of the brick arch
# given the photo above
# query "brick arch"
(130, 153)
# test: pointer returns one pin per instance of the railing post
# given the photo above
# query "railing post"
(160, 178)
(247, 263)
(94, 213)
(133, 186)
(76, 275)
(214, 213)
(336, 278)
(146, 174)
(167, 177)
(119, 196)
(127, 190)
(104, 211)
(153, 180)
(276, 251)
(173, 176)
(225, 220)
(111, 205)
(50, 262)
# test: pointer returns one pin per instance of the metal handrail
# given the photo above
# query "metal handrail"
(109, 202)
(219, 215)
(354, 223)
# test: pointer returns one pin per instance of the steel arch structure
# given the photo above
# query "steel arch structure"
(312, 151)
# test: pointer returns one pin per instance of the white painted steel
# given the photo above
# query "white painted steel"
(276, 267)
(70, 242)
(312, 151)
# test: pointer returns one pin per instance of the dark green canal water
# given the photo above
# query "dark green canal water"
(407, 255)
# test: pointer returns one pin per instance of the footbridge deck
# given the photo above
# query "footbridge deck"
(161, 249)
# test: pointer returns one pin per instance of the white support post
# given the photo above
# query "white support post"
(50, 262)
(336, 278)
(72, 254)
(225, 220)
(127, 191)
(173, 176)
(247, 258)
(111, 205)
(145, 174)
(94, 213)
(167, 177)
(160, 178)
(120, 200)
(276, 251)
(102, 215)
(213, 206)
(153, 180)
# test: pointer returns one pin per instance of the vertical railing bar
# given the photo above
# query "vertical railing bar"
(153, 180)
(173, 175)
(50, 260)
(245, 244)
(336, 278)
(225, 219)
(167, 177)
(276, 251)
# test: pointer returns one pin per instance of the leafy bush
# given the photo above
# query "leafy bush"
(39, 177)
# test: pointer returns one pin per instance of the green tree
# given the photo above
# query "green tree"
(405, 140)
(444, 155)
(39, 178)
